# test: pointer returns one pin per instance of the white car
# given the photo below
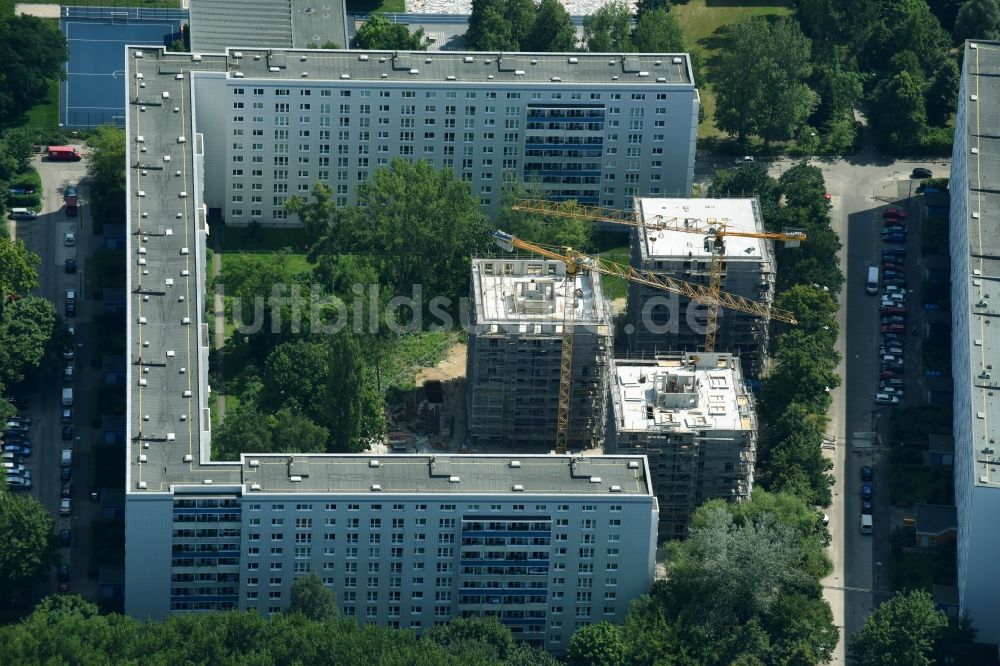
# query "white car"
(64, 506)
(890, 390)
(68, 373)
(886, 399)
(69, 240)
(897, 296)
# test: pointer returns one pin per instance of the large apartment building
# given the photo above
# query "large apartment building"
(975, 277)
(665, 323)
(547, 543)
(694, 419)
(515, 345)
(596, 128)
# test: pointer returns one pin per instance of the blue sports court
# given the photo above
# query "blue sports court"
(94, 93)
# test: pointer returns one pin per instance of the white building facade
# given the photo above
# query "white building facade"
(975, 274)
(596, 128)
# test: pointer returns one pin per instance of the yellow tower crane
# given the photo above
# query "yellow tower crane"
(714, 230)
(577, 262)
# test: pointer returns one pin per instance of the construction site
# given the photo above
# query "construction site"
(693, 416)
(541, 373)
(518, 310)
(666, 325)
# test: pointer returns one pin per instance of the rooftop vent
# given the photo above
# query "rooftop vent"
(207, 482)
(196, 58)
(179, 77)
(363, 58)
(254, 462)
(376, 488)
(170, 353)
(518, 488)
(166, 95)
(141, 485)
(678, 60)
(615, 489)
(187, 394)
(254, 486)
(468, 59)
(556, 79)
(414, 70)
(373, 463)
(518, 72)
(515, 463)
(188, 457)
(295, 478)
(345, 76)
(171, 436)
(595, 479)
(237, 54)
(274, 69)
(142, 458)
(573, 60)
(453, 479)
(450, 77)
(633, 464)
(238, 75)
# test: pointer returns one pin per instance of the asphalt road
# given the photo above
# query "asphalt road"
(860, 188)
(44, 236)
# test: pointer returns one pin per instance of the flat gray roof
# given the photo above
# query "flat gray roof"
(216, 24)
(982, 125)
(466, 67)
(166, 338)
(459, 474)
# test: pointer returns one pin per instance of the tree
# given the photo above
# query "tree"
(489, 29)
(425, 224)
(294, 432)
(598, 644)
(243, 430)
(18, 145)
(643, 6)
(28, 548)
(545, 230)
(19, 273)
(747, 180)
(33, 52)
(553, 30)
(315, 214)
(106, 168)
(520, 14)
(27, 327)
(898, 125)
(942, 93)
(379, 33)
(900, 631)
(313, 599)
(473, 637)
(978, 19)
(296, 371)
(656, 31)
(608, 29)
(353, 408)
(760, 80)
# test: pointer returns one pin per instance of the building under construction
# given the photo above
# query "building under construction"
(666, 323)
(515, 342)
(693, 417)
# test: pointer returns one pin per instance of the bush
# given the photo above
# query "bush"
(937, 140)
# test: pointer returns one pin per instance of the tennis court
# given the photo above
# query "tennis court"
(94, 92)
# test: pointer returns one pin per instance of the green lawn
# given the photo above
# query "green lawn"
(703, 22)
(45, 114)
(387, 6)
(261, 239)
(613, 247)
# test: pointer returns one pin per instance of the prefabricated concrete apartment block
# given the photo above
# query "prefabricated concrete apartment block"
(515, 344)
(694, 419)
(665, 323)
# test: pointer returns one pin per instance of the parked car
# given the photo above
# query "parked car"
(867, 491)
(892, 275)
(70, 191)
(893, 266)
(67, 415)
(866, 473)
(67, 433)
(893, 328)
(896, 282)
(18, 449)
(70, 265)
(894, 239)
(894, 339)
(65, 536)
(65, 506)
(69, 240)
(891, 222)
(18, 483)
(890, 351)
(64, 473)
(66, 490)
(893, 289)
(866, 507)
(68, 353)
(897, 310)
(70, 309)
(893, 390)
(921, 172)
(884, 399)
(894, 229)
(894, 383)
(894, 252)
(893, 319)
(894, 211)
(68, 373)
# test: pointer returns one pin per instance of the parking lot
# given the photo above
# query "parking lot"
(55, 417)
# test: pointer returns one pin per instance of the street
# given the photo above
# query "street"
(861, 188)
(44, 236)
